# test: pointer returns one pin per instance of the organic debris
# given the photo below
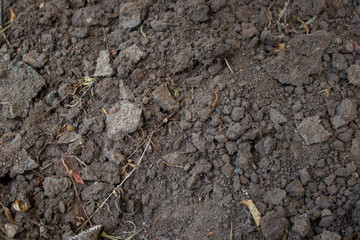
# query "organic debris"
(21, 206)
(253, 210)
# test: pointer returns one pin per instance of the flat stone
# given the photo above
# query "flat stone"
(346, 112)
(236, 130)
(159, 26)
(24, 162)
(295, 189)
(277, 117)
(273, 226)
(35, 59)
(327, 235)
(133, 54)
(93, 192)
(303, 59)
(131, 15)
(353, 73)
(163, 97)
(20, 83)
(55, 185)
(312, 131)
(124, 118)
(103, 67)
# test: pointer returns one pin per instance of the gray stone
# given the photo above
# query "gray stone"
(237, 114)
(353, 73)
(244, 158)
(103, 67)
(302, 225)
(275, 196)
(199, 13)
(55, 185)
(327, 235)
(163, 97)
(273, 226)
(35, 59)
(312, 131)
(231, 147)
(159, 26)
(124, 118)
(235, 131)
(202, 166)
(12, 229)
(81, 32)
(303, 59)
(199, 142)
(23, 163)
(295, 189)
(228, 170)
(131, 15)
(346, 112)
(193, 182)
(19, 84)
(277, 117)
(132, 54)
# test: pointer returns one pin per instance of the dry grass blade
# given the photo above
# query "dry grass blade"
(7, 213)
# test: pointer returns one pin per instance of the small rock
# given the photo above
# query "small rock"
(124, 118)
(77, 3)
(133, 54)
(295, 189)
(19, 84)
(228, 170)
(245, 158)
(35, 59)
(12, 229)
(327, 235)
(231, 147)
(202, 166)
(103, 67)
(159, 26)
(312, 131)
(199, 142)
(235, 131)
(273, 226)
(339, 61)
(302, 225)
(346, 112)
(131, 15)
(81, 32)
(23, 163)
(69, 137)
(199, 13)
(355, 148)
(237, 114)
(275, 196)
(354, 74)
(163, 97)
(193, 182)
(248, 30)
(277, 117)
(55, 185)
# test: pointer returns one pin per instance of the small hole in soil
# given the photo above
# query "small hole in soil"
(5, 180)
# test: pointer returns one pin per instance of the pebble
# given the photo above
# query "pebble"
(295, 189)
(244, 158)
(277, 117)
(304, 176)
(273, 226)
(339, 61)
(193, 182)
(236, 130)
(131, 15)
(12, 229)
(353, 74)
(231, 147)
(93, 192)
(55, 185)
(133, 54)
(228, 170)
(346, 112)
(355, 148)
(24, 162)
(302, 225)
(159, 26)
(35, 59)
(199, 142)
(327, 235)
(124, 118)
(237, 114)
(312, 131)
(103, 67)
(163, 97)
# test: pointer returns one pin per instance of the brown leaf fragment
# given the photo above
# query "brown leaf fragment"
(253, 210)
(7, 213)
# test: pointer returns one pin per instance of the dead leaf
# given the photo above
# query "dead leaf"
(13, 15)
(20, 206)
(77, 177)
(7, 213)
(281, 47)
(253, 210)
(304, 25)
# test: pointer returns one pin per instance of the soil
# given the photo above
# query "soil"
(218, 101)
